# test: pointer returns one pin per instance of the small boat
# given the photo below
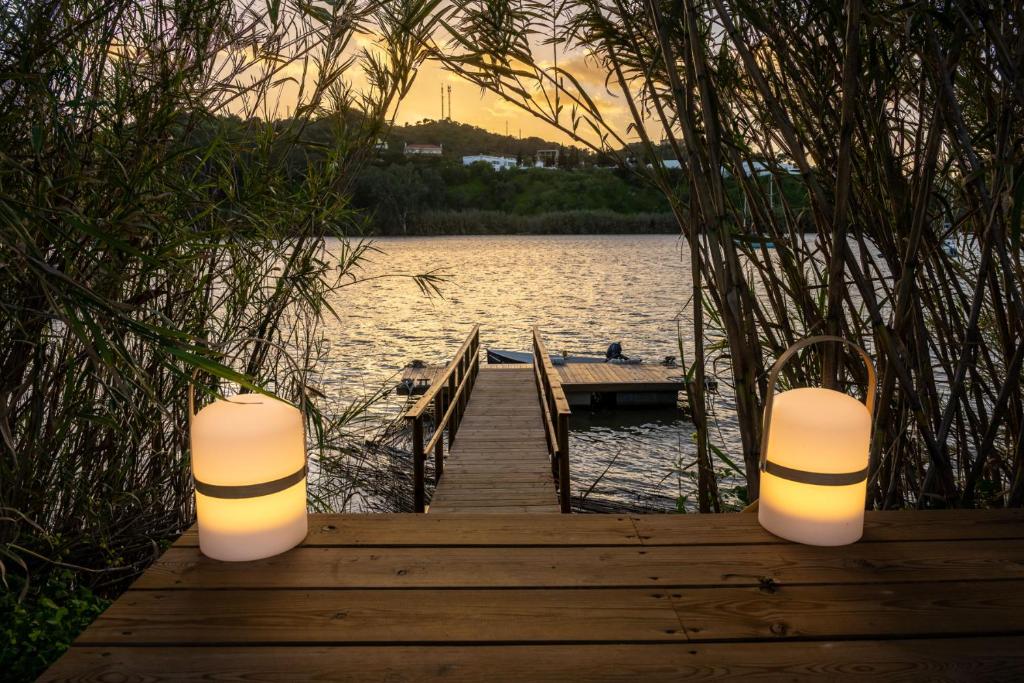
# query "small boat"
(755, 245)
(500, 356)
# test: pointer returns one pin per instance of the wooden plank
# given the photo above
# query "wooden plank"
(510, 492)
(610, 377)
(599, 387)
(945, 659)
(559, 615)
(483, 482)
(936, 525)
(499, 499)
(385, 616)
(528, 465)
(724, 529)
(526, 461)
(852, 611)
(500, 437)
(770, 566)
(382, 530)
(490, 507)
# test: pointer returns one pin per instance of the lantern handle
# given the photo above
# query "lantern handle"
(869, 399)
(237, 344)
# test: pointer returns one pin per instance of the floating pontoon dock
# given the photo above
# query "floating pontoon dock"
(623, 385)
(416, 379)
(585, 384)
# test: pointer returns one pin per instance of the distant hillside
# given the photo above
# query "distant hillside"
(461, 139)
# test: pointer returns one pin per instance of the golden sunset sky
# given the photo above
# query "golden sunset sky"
(469, 104)
(488, 111)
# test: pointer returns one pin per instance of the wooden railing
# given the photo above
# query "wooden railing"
(555, 413)
(449, 392)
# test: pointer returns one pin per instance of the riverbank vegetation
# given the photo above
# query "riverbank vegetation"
(441, 198)
(581, 222)
(904, 124)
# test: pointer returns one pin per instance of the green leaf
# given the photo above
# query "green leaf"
(725, 458)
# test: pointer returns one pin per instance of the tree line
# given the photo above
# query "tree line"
(443, 197)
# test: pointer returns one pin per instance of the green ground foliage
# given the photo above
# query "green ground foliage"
(413, 197)
(39, 627)
(583, 222)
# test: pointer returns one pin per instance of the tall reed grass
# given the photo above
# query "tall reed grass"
(902, 123)
(150, 220)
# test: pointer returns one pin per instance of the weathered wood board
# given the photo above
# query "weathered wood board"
(552, 597)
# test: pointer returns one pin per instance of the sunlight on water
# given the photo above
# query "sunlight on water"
(583, 291)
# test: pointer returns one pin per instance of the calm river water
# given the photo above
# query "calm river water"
(583, 291)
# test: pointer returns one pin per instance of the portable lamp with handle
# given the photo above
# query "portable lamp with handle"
(814, 458)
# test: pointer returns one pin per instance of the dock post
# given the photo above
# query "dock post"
(418, 457)
(439, 409)
(448, 403)
(563, 462)
(463, 397)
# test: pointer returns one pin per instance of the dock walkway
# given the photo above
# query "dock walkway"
(507, 427)
(374, 598)
(499, 462)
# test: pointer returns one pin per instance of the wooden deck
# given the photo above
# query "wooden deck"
(609, 377)
(579, 379)
(416, 381)
(925, 596)
(622, 385)
(499, 461)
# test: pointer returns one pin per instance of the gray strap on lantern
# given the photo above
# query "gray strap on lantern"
(250, 490)
(264, 488)
(804, 476)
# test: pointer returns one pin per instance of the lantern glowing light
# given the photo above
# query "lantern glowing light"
(249, 465)
(814, 459)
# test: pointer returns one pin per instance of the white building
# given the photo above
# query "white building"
(759, 168)
(423, 150)
(496, 162)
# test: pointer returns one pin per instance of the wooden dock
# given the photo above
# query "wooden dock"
(924, 596)
(583, 383)
(500, 461)
(497, 429)
(416, 379)
(507, 432)
(631, 385)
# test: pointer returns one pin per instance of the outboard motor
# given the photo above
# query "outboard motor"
(614, 352)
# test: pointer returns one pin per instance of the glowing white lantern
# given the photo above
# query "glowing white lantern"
(249, 465)
(814, 459)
